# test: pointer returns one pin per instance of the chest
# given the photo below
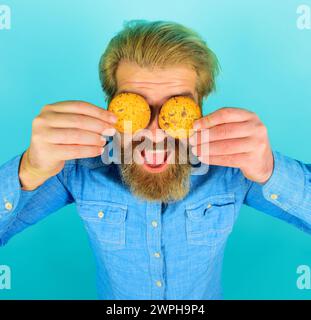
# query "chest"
(117, 220)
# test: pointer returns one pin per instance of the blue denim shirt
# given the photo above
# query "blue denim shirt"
(148, 250)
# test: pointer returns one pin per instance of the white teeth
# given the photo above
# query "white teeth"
(155, 151)
(155, 157)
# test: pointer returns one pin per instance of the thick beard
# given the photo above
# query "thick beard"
(173, 184)
(170, 185)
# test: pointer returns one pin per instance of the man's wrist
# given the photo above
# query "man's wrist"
(270, 170)
(29, 180)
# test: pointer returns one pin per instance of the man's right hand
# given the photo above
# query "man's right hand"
(64, 131)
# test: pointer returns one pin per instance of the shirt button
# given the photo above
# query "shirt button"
(159, 283)
(274, 196)
(157, 254)
(8, 206)
(209, 206)
(154, 223)
(100, 214)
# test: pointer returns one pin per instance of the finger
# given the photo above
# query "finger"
(232, 130)
(234, 161)
(71, 120)
(225, 147)
(73, 136)
(200, 137)
(223, 115)
(81, 107)
(231, 146)
(224, 131)
(69, 152)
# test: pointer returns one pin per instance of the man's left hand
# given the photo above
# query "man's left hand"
(237, 138)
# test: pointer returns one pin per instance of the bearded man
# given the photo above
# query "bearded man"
(158, 227)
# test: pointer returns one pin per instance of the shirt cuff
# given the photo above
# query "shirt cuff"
(285, 188)
(12, 195)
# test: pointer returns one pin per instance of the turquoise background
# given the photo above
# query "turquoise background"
(51, 54)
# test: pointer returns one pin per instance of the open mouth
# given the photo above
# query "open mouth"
(155, 160)
(154, 157)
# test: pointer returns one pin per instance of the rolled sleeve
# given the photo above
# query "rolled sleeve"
(286, 186)
(20, 208)
(287, 194)
(12, 196)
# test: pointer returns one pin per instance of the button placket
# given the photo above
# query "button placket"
(154, 230)
(159, 283)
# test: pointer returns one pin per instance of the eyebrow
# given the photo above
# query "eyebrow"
(186, 93)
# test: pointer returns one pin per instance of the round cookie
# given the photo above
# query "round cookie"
(130, 107)
(177, 116)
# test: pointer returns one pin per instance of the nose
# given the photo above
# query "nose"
(155, 133)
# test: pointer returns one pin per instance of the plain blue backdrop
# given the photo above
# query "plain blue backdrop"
(51, 54)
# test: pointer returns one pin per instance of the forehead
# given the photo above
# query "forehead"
(156, 84)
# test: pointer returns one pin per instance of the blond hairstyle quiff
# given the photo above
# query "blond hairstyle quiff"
(158, 44)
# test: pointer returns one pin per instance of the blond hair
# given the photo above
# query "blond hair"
(158, 44)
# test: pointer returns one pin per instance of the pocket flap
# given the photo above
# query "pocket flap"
(108, 212)
(200, 209)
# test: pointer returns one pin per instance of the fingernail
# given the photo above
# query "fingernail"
(194, 150)
(192, 139)
(113, 119)
(109, 132)
(196, 126)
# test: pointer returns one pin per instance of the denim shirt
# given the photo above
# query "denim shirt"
(152, 250)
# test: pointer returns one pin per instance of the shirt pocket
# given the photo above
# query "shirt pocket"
(210, 221)
(105, 222)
